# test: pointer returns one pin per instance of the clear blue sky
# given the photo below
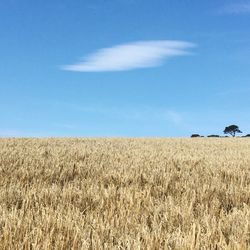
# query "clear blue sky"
(124, 67)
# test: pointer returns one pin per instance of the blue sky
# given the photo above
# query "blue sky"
(124, 67)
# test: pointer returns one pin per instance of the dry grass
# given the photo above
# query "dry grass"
(125, 193)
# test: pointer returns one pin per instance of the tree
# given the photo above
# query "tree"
(232, 130)
(213, 136)
(195, 135)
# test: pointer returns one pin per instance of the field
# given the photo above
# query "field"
(125, 193)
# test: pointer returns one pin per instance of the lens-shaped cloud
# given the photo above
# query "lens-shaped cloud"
(236, 8)
(143, 54)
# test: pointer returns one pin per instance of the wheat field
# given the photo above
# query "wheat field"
(83, 193)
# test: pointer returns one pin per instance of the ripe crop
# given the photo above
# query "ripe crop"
(125, 193)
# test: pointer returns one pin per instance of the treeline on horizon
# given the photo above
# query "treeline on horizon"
(232, 130)
(218, 136)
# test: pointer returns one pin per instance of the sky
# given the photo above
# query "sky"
(123, 68)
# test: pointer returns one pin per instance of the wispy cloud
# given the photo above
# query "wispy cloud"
(234, 92)
(140, 114)
(10, 133)
(64, 125)
(237, 8)
(143, 54)
(19, 133)
(174, 117)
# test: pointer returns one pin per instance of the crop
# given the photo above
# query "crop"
(82, 193)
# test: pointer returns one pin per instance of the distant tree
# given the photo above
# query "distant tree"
(232, 130)
(248, 135)
(195, 135)
(213, 136)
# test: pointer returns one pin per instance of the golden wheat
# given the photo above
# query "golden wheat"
(125, 193)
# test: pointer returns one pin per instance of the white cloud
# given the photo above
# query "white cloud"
(174, 117)
(130, 56)
(238, 8)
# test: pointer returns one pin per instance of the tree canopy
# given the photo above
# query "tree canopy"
(232, 130)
